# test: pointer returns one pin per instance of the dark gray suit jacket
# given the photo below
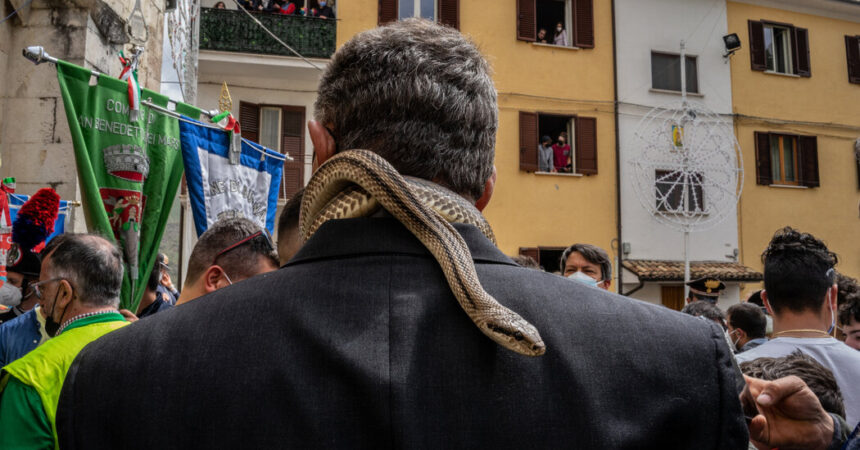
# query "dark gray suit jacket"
(358, 343)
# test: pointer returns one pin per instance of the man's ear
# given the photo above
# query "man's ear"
(488, 191)
(324, 145)
(212, 279)
(66, 295)
(766, 302)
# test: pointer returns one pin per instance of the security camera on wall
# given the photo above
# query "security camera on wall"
(732, 43)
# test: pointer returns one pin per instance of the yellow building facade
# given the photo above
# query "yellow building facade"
(797, 119)
(550, 84)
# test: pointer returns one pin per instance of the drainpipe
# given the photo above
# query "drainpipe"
(628, 293)
(618, 162)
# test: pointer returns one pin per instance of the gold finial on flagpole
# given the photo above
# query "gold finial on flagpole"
(225, 103)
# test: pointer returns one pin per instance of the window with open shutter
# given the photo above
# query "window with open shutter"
(762, 159)
(449, 13)
(801, 41)
(249, 121)
(808, 156)
(586, 145)
(758, 60)
(293, 144)
(852, 51)
(387, 11)
(526, 20)
(583, 22)
(528, 141)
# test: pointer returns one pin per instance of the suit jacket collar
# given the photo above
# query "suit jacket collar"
(371, 235)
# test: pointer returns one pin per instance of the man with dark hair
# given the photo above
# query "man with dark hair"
(289, 235)
(800, 292)
(707, 310)
(230, 251)
(79, 286)
(588, 264)
(153, 300)
(849, 318)
(746, 326)
(358, 341)
(819, 378)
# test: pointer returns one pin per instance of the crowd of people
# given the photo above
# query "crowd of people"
(353, 338)
(315, 8)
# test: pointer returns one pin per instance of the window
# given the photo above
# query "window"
(666, 72)
(852, 51)
(786, 159)
(281, 128)
(549, 258)
(783, 159)
(672, 296)
(446, 12)
(576, 17)
(270, 127)
(669, 188)
(779, 48)
(581, 136)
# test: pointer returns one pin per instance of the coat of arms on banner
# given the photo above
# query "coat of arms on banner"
(125, 209)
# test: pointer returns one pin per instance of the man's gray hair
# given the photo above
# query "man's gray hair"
(91, 264)
(418, 94)
(592, 254)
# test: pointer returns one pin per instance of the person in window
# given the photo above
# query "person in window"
(560, 37)
(561, 154)
(541, 36)
(545, 155)
(221, 5)
(325, 11)
(288, 8)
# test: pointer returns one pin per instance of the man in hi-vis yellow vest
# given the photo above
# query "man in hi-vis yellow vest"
(79, 287)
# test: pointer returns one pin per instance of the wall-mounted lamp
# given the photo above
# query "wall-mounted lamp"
(732, 43)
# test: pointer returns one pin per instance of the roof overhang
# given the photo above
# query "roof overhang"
(654, 270)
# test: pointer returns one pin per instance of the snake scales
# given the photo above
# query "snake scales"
(355, 183)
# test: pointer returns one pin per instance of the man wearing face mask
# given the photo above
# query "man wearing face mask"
(79, 286)
(800, 292)
(325, 11)
(587, 264)
(561, 154)
(229, 251)
(746, 325)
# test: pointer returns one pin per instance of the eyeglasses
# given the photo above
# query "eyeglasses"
(264, 234)
(35, 286)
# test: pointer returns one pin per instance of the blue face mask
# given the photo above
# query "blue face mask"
(583, 278)
(322, 4)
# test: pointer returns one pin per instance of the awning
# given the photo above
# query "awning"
(653, 270)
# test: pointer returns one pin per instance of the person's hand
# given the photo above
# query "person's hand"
(785, 413)
(129, 316)
(166, 281)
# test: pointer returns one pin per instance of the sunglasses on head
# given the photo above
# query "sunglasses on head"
(260, 235)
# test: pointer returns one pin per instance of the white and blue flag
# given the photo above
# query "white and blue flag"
(218, 189)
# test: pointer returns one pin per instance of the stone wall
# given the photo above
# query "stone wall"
(35, 143)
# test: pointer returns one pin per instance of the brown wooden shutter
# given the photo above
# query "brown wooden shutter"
(293, 143)
(249, 121)
(586, 145)
(449, 13)
(852, 50)
(532, 252)
(763, 173)
(808, 160)
(387, 11)
(528, 141)
(526, 20)
(672, 297)
(757, 57)
(801, 43)
(583, 23)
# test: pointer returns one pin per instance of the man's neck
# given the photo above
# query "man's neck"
(79, 309)
(789, 323)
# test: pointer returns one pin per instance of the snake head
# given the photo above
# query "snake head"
(515, 333)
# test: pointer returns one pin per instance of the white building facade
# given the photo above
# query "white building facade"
(648, 70)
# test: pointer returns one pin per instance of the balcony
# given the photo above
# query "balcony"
(229, 30)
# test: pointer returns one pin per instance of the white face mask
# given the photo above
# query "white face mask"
(558, 29)
(10, 295)
(583, 278)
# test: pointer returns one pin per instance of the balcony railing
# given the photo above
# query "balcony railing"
(233, 31)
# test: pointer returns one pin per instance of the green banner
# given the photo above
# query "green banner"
(128, 171)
